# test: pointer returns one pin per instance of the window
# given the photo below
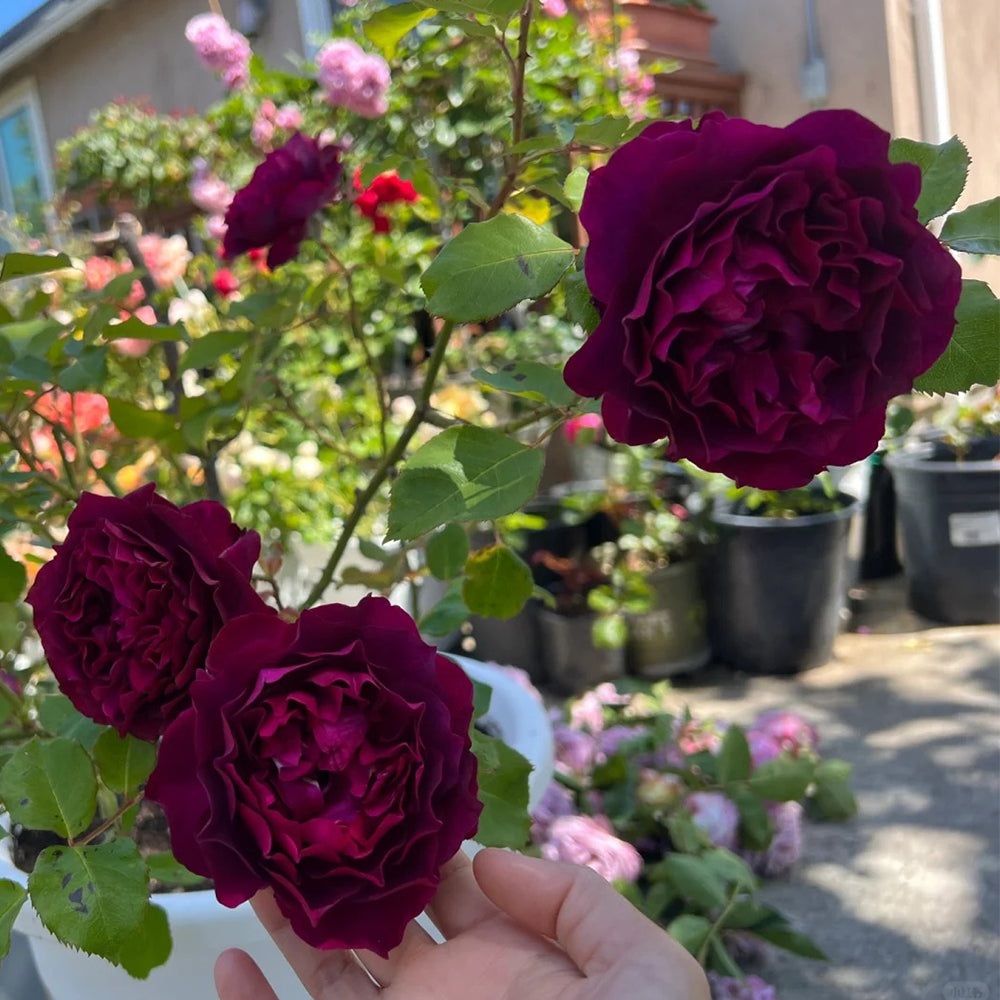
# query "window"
(25, 182)
(316, 19)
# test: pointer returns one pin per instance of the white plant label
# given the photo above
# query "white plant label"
(970, 530)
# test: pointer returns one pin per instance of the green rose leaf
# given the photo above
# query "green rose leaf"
(133, 327)
(87, 372)
(503, 790)
(975, 229)
(489, 267)
(387, 27)
(50, 785)
(23, 265)
(607, 131)
(732, 869)
(832, 797)
(684, 833)
(609, 631)
(165, 868)
(447, 551)
(529, 378)
(574, 186)
(690, 931)
(756, 830)
(59, 718)
(92, 898)
(973, 354)
(777, 931)
(482, 695)
(462, 474)
(579, 302)
(497, 582)
(205, 351)
(12, 897)
(782, 779)
(733, 758)
(13, 577)
(944, 169)
(149, 947)
(695, 880)
(447, 615)
(135, 422)
(499, 10)
(124, 764)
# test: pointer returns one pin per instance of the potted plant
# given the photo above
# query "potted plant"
(777, 577)
(948, 490)
(658, 565)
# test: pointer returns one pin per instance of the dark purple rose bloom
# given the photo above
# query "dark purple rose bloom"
(128, 607)
(763, 293)
(329, 759)
(292, 184)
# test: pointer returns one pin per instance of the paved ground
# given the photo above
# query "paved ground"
(905, 898)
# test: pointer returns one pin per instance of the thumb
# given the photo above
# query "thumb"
(570, 904)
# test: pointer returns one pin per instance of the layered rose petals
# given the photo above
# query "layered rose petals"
(128, 607)
(763, 293)
(328, 759)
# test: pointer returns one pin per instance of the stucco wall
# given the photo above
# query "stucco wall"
(766, 39)
(137, 48)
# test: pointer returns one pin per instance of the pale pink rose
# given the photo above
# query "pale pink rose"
(85, 412)
(98, 271)
(785, 848)
(763, 747)
(352, 78)
(131, 347)
(216, 227)
(556, 801)
(166, 258)
(588, 710)
(574, 750)
(716, 815)
(210, 193)
(220, 48)
(555, 8)
(590, 841)
(262, 133)
(790, 731)
(289, 117)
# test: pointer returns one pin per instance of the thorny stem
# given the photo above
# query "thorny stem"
(107, 824)
(719, 921)
(385, 466)
(518, 68)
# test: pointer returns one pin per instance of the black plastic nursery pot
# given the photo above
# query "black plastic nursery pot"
(949, 513)
(572, 662)
(775, 588)
(879, 557)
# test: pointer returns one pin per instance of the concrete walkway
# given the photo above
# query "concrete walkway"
(905, 898)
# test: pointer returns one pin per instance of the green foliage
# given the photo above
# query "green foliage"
(149, 947)
(531, 379)
(975, 229)
(388, 26)
(96, 899)
(944, 171)
(784, 779)
(462, 474)
(502, 776)
(447, 551)
(973, 354)
(497, 582)
(733, 759)
(12, 898)
(124, 764)
(492, 266)
(58, 717)
(21, 265)
(13, 577)
(50, 785)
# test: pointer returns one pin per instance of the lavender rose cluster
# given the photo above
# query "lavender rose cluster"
(328, 758)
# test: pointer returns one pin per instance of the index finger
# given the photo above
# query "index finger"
(459, 904)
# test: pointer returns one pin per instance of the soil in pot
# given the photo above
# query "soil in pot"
(671, 637)
(775, 587)
(949, 512)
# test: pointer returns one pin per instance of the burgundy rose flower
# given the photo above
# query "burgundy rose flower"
(763, 293)
(128, 607)
(292, 184)
(328, 759)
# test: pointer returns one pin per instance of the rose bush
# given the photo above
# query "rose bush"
(129, 605)
(328, 759)
(762, 321)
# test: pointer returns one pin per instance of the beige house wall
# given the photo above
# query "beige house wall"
(137, 48)
(766, 39)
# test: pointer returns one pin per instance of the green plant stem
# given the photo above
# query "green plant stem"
(716, 927)
(528, 419)
(388, 462)
(32, 462)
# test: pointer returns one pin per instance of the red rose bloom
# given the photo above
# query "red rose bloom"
(329, 759)
(292, 184)
(384, 190)
(225, 282)
(128, 607)
(763, 293)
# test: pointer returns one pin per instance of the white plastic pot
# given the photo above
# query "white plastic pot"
(201, 927)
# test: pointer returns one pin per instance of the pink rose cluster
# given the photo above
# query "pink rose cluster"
(328, 759)
(220, 48)
(272, 119)
(352, 78)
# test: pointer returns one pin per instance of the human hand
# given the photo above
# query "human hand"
(516, 928)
